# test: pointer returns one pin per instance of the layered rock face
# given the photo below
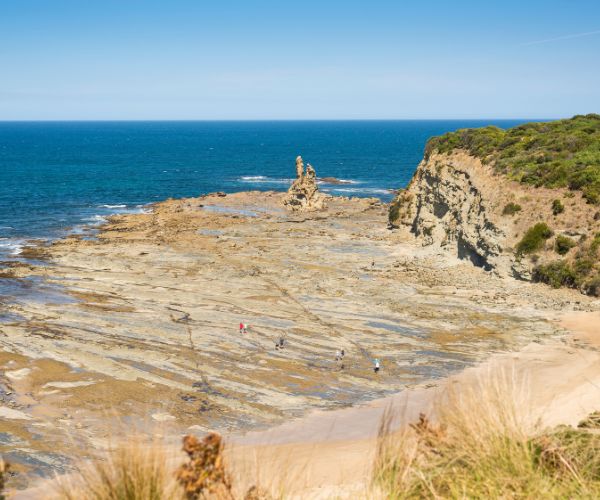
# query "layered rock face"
(457, 203)
(448, 203)
(304, 194)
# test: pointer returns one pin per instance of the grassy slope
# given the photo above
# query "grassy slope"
(563, 153)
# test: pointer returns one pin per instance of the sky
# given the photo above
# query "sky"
(325, 59)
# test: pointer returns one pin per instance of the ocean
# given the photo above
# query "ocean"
(61, 177)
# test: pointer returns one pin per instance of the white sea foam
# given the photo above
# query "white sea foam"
(364, 190)
(339, 181)
(10, 246)
(113, 206)
(261, 179)
(252, 177)
(96, 219)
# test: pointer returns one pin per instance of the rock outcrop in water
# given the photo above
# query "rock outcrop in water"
(304, 194)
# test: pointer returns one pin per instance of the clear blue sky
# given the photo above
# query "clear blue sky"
(223, 59)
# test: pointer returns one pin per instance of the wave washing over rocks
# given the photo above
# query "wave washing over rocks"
(329, 185)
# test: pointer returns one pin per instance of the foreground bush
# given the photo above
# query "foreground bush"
(204, 473)
(483, 446)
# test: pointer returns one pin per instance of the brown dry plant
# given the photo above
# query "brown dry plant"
(204, 475)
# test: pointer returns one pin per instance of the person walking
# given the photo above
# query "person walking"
(377, 365)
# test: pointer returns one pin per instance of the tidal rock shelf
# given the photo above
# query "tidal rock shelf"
(150, 334)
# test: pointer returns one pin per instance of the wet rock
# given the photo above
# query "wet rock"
(333, 180)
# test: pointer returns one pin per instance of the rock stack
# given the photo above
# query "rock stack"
(304, 194)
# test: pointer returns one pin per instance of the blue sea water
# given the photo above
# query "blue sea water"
(56, 176)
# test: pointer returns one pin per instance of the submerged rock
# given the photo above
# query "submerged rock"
(304, 194)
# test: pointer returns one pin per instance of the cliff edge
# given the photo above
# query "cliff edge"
(522, 202)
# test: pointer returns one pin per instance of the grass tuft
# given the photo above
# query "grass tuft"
(132, 471)
(484, 445)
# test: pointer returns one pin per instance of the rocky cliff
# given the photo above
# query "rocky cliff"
(450, 203)
(459, 200)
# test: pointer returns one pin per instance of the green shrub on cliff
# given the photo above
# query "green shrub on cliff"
(563, 153)
(592, 287)
(511, 208)
(557, 207)
(534, 239)
(595, 245)
(563, 244)
(580, 273)
(556, 274)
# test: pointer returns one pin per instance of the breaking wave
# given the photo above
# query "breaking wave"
(262, 179)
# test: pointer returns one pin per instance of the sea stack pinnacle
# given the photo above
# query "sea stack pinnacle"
(304, 194)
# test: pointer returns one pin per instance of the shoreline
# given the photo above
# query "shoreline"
(322, 458)
(336, 449)
(323, 280)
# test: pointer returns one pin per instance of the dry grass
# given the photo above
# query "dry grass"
(134, 470)
(483, 444)
(139, 470)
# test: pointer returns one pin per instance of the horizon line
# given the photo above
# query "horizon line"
(140, 120)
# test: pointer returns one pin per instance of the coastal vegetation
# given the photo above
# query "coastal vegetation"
(581, 272)
(511, 208)
(557, 207)
(563, 153)
(563, 244)
(534, 239)
(482, 446)
(133, 470)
